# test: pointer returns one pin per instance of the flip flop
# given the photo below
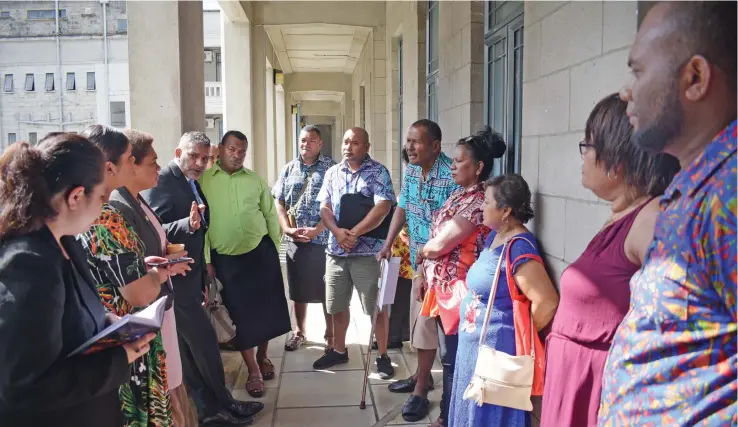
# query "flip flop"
(255, 386)
(267, 369)
(415, 408)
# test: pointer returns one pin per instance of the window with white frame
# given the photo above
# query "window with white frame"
(123, 25)
(49, 84)
(32, 138)
(432, 43)
(30, 83)
(118, 114)
(91, 80)
(8, 83)
(503, 78)
(5, 14)
(12, 137)
(71, 81)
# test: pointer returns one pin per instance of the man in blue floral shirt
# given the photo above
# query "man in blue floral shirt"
(351, 258)
(298, 209)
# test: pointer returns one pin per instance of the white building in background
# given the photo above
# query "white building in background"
(64, 66)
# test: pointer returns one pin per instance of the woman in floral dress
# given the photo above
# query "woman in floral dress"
(125, 285)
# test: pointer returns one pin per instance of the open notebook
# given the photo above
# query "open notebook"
(129, 328)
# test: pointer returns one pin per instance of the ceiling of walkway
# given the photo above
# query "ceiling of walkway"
(317, 47)
(317, 95)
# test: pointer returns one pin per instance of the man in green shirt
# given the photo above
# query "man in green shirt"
(241, 251)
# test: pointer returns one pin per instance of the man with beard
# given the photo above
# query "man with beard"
(178, 200)
(673, 360)
(241, 251)
(427, 185)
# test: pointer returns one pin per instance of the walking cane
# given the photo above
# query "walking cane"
(377, 310)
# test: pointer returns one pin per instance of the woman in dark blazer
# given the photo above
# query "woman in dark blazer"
(48, 306)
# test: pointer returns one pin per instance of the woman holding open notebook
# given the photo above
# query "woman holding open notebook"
(48, 303)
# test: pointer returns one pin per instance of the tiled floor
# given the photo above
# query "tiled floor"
(300, 397)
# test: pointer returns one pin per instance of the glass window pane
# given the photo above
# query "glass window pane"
(71, 81)
(432, 100)
(433, 30)
(505, 11)
(91, 81)
(517, 101)
(11, 138)
(30, 83)
(118, 114)
(32, 138)
(498, 81)
(8, 84)
(49, 86)
(122, 25)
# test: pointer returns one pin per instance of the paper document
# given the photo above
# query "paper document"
(390, 270)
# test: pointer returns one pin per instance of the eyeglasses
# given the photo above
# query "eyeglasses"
(584, 147)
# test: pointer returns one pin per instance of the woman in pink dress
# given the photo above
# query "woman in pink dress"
(595, 290)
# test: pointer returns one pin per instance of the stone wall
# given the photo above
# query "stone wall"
(575, 53)
(461, 70)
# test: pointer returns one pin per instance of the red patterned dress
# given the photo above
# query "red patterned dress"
(442, 273)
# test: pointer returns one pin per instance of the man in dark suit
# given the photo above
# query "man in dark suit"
(182, 207)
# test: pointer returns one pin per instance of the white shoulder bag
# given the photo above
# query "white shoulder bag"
(499, 378)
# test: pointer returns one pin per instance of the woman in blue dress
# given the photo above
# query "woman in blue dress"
(507, 208)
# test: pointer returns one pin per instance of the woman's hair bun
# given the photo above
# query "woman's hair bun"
(494, 140)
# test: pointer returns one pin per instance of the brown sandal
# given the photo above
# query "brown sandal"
(267, 369)
(255, 386)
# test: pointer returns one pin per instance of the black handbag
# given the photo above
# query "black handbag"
(355, 207)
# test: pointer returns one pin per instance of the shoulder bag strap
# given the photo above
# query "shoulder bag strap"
(511, 282)
(491, 299)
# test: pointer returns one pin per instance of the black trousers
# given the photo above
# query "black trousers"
(202, 366)
(447, 346)
(399, 320)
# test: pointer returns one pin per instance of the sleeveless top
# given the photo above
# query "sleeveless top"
(595, 289)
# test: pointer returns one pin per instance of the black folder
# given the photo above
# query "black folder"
(355, 207)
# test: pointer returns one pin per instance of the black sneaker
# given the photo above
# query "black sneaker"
(384, 367)
(331, 358)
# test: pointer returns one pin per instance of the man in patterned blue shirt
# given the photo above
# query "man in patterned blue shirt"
(351, 256)
(298, 209)
(427, 185)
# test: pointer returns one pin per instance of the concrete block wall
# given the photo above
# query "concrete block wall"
(575, 53)
(371, 72)
(406, 20)
(461, 70)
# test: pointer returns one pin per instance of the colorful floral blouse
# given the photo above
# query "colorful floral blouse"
(115, 254)
(466, 204)
(401, 249)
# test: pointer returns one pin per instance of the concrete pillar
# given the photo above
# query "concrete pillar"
(236, 51)
(258, 143)
(281, 122)
(271, 134)
(166, 75)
